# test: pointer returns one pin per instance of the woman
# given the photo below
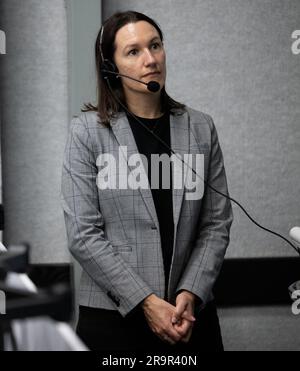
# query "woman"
(150, 255)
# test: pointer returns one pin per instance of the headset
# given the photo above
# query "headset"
(108, 68)
(106, 64)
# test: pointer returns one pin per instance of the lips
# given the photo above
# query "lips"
(152, 74)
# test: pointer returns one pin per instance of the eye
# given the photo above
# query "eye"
(133, 52)
(155, 45)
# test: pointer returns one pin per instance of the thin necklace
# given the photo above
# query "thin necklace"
(155, 125)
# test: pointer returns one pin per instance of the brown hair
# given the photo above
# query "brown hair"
(108, 105)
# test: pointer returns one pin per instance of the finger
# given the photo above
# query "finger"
(173, 334)
(186, 338)
(184, 328)
(187, 315)
(176, 321)
(179, 310)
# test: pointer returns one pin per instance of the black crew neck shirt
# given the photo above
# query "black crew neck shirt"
(147, 144)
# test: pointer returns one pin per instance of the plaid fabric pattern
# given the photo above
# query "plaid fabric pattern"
(114, 233)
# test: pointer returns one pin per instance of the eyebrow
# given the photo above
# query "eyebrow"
(133, 45)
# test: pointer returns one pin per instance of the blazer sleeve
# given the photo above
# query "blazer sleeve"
(212, 237)
(85, 224)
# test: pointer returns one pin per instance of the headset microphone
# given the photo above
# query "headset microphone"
(152, 86)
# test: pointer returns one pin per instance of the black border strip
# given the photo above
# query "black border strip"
(258, 281)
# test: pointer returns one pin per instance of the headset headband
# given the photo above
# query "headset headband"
(101, 37)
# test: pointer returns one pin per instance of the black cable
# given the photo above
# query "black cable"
(205, 182)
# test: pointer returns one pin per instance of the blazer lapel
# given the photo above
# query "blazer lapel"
(179, 123)
(179, 136)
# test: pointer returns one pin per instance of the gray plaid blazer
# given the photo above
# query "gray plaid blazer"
(114, 234)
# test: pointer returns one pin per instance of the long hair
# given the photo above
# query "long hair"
(108, 105)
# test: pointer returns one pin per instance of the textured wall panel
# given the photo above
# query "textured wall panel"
(260, 329)
(34, 99)
(84, 22)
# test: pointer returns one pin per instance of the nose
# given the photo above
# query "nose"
(149, 58)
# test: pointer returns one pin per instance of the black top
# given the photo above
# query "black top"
(147, 144)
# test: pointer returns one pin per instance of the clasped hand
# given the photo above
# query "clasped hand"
(171, 324)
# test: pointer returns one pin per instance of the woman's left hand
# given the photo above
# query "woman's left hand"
(185, 303)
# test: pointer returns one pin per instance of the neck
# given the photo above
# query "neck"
(144, 105)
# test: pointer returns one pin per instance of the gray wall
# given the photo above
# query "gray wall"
(233, 60)
(261, 328)
(84, 23)
(34, 100)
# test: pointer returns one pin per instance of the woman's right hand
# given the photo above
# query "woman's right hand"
(159, 314)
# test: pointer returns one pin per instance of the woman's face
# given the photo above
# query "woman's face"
(140, 54)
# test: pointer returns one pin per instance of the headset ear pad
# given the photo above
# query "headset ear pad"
(107, 65)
